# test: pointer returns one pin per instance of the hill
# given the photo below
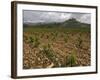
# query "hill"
(68, 23)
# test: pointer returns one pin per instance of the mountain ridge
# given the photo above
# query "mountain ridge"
(67, 23)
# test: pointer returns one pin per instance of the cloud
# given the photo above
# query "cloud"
(86, 18)
(47, 17)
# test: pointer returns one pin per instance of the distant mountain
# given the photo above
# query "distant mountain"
(68, 23)
(74, 23)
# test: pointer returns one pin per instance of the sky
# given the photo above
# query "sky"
(31, 16)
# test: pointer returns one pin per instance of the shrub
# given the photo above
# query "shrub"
(71, 60)
(65, 39)
(47, 50)
(79, 42)
(56, 34)
(34, 41)
(53, 38)
(51, 55)
(25, 38)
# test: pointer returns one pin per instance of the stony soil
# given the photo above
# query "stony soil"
(61, 45)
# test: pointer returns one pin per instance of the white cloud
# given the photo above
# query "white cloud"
(86, 18)
(65, 16)
(43, 16)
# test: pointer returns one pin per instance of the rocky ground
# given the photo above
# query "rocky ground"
(59, 50)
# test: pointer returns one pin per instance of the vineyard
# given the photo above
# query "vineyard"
(56, 47)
